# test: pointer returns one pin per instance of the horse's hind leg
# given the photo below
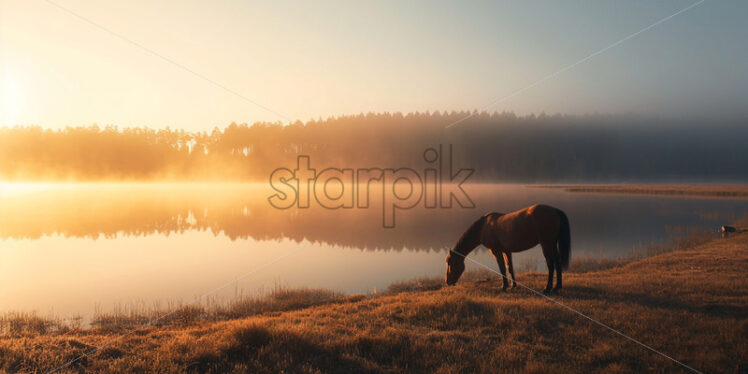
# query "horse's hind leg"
(511, 268)
(558, 275)
(550, 253)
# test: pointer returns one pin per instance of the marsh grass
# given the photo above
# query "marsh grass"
(280, 299)
(30, 323)
(137, 315)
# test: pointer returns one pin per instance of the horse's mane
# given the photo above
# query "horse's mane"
(472, 231)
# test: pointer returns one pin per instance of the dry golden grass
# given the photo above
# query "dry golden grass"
(731, 191)
(691, 304)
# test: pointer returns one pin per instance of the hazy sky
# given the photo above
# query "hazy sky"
(316, 59)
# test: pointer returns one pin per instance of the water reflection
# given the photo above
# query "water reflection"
(238, 211)
(608, 224)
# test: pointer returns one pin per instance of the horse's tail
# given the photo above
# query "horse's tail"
(564, 241)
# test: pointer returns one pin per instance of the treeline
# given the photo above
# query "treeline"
(499, 146)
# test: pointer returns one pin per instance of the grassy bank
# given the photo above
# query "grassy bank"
(732, 191)
(691, 304)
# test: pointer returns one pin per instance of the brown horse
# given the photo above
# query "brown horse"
(503, 234)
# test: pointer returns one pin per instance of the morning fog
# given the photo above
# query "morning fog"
(438, 185)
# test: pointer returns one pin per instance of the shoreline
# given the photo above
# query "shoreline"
(425, 326)
(721, 191)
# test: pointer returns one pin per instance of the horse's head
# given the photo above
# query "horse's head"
(467, 242)
(455, 267)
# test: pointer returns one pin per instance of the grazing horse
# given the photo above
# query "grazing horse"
(503, 234)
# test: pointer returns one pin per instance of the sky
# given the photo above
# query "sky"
(184, 64)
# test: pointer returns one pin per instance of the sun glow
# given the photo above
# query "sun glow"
(20, 188)
(12, 97)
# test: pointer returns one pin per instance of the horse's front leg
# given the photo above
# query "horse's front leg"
(500, 260)
(511, 268)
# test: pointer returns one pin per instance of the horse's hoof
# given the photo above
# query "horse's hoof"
(555, 291)
(504, 288)
(546, 291)
(514, 285)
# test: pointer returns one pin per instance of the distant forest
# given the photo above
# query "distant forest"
(499, 146)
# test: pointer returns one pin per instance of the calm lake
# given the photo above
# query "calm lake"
(68, 249)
